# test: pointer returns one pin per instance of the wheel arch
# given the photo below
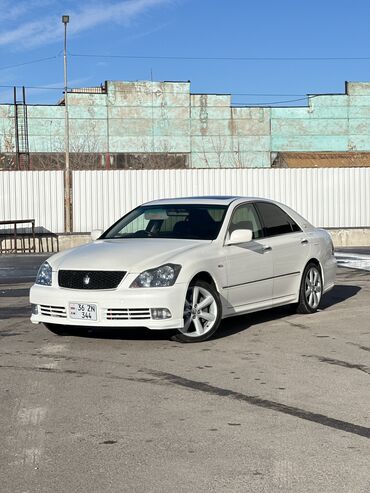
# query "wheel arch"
(205, 276)
(317, 262)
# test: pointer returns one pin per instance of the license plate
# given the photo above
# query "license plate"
(82, 311)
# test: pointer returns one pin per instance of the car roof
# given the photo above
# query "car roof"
(205, 199)
(228, 199)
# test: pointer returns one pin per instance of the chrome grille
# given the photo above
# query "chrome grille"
(127, 314)
(92, 279)
(53, 311)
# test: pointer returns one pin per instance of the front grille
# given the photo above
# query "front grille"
(92, 279)
(53, 311)
(127, 314)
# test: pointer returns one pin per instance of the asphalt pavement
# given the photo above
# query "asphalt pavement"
(276, 402)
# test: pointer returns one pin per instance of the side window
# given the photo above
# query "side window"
(276, 221)
(245, 217)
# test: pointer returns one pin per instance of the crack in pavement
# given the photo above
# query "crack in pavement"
(298, 326)
(74, 359)
(264, 403)
(44, 369)
(338, 362)
(364, 348)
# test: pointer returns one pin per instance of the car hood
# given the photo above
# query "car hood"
(132, 255)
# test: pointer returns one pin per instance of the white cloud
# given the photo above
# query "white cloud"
(11, 11)
(60, 85)
(49, 29)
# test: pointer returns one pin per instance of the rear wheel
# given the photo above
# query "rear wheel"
(202, 313)
(311, 289)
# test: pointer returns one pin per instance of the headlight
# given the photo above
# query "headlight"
(44, 275)
(162, 276)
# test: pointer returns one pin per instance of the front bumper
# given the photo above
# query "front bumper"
(136, 303)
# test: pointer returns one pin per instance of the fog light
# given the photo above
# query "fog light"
(160, 313)
(34, 309)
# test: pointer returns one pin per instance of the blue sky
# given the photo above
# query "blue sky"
(32, 29)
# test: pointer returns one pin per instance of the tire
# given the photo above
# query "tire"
(202, 313)
(310, 291)
(59, 330)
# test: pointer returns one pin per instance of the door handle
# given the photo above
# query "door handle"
(266, 248)
(304, 242)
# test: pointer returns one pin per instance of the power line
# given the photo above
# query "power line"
(161, 57)
(267, 103)
(32, 87)
(39, 60)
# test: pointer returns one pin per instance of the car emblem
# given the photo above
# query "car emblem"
(86, 280)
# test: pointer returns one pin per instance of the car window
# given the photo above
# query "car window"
(275, 220)
(187, 221)
(138, 224)
(246, 217)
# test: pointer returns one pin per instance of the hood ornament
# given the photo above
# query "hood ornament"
(86, 280)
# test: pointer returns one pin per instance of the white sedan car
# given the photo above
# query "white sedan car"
(186, 264)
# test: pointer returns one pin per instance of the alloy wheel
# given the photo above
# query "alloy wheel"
(200, 312)
(313, 287)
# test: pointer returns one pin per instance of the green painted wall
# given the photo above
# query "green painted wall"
(164, 117)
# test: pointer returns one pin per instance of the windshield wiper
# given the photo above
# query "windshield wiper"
(139, 234)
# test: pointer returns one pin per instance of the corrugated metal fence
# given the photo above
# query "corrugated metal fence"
(33, 195)
(330, 197)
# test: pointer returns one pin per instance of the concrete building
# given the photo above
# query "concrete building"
(162, 124)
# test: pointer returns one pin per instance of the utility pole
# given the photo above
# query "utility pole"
(67, 173)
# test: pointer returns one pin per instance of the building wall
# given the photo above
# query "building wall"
(164, 117)
(331, 123)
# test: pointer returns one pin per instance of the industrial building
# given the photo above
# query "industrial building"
(135, 125)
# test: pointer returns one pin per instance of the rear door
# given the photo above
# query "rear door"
(289, 248)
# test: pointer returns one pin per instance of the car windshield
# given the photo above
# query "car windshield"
(187, 221)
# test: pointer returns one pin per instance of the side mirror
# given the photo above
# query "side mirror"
(95, 233)
(240, 236)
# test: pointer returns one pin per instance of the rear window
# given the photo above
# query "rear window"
(276, 221)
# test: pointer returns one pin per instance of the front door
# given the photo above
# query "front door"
(249, 265)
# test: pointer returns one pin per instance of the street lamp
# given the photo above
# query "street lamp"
(67, 181)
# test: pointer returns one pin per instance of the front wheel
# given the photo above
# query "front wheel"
(310, 292)
(202, 313)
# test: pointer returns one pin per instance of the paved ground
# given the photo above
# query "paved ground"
(356, 258)
(277, 403)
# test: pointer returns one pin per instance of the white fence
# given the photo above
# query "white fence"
(35, 195)
(332, 198)
(327, 197)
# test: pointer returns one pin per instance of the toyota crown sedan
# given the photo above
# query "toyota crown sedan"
(186, 264)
